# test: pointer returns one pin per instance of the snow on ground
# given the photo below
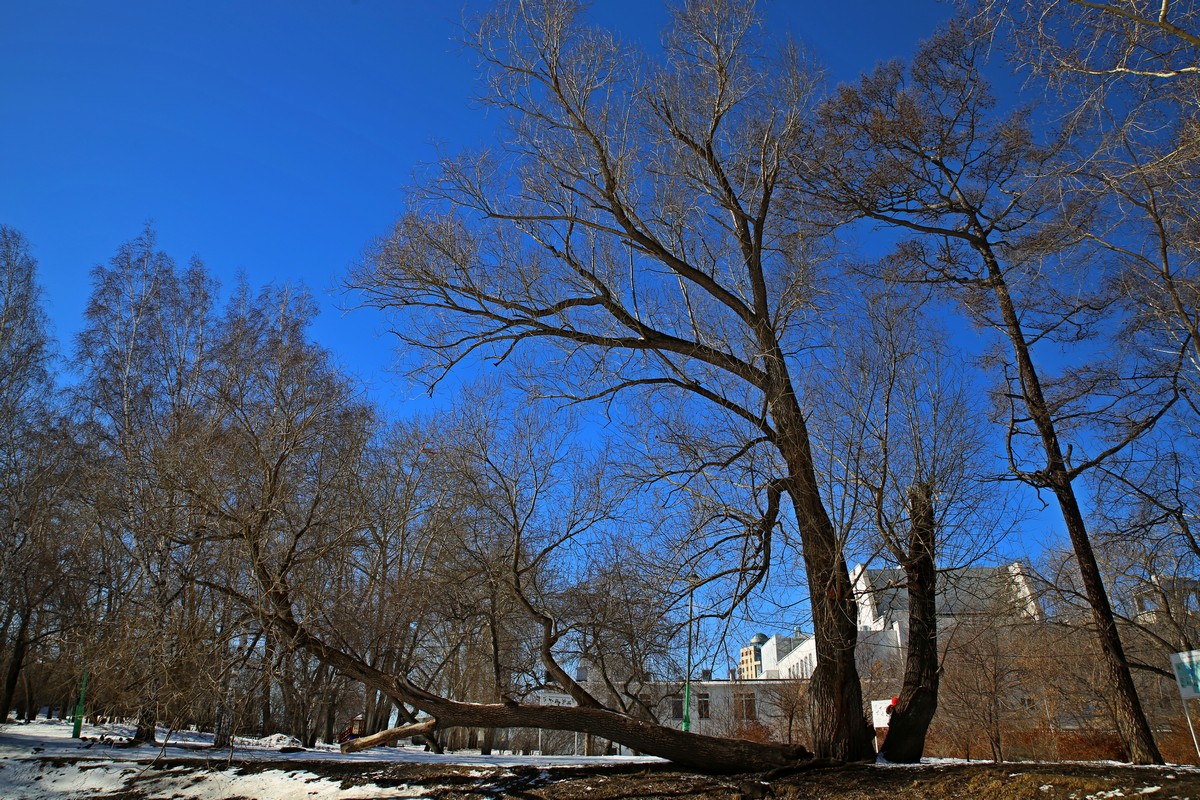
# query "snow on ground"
(39, 779)
(40, 761)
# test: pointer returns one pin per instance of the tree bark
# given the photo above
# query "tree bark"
(388, 736)
(905, 741)
(840, 729)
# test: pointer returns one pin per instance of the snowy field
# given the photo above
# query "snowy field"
(40, 761)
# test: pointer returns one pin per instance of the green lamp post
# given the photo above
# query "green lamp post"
(693, 579)
(75, 731)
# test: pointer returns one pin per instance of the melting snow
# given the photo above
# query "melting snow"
(99, 765)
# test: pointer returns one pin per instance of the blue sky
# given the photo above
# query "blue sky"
(275, 138)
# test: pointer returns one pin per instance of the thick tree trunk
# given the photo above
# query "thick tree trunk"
(905, 742)
(329, 727)
(1132, 725)
(840, 728)
(388, 736)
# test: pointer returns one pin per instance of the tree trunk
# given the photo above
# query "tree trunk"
(431, 738)
(329, 730)
(146, 724)
(1132, 725)
(145, 732)
(31, 704)
(268, 724)
(380, 716)
(387, 737)
(840, 729)
(16, 661)
(905, 741)
(489, 741)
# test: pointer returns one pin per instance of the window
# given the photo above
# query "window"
(743, 706)
(676, 708)
(702, 706)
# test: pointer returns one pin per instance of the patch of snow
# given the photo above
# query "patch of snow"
(96, 765)
(35, 779)
(275, 740)
(54, 739)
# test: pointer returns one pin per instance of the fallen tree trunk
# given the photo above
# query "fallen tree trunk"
(693, 751)
(388, 736)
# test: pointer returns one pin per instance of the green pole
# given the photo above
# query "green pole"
(687, 705)
(79, 709)
(687, 677)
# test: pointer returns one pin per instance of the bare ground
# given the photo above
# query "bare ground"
(1009, 781)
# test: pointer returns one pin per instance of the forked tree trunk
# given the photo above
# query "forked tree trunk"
(905, 742)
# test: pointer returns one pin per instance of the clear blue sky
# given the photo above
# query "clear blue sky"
(275, 137)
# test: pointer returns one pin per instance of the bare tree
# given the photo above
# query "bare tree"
(141, 356)
(921, 149)
(912, 447)
(1105, 40)
(629, 232)
(24, 405)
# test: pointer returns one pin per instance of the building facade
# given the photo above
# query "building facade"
(882, 598)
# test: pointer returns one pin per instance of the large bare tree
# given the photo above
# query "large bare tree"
(140, 356)
(920, 148)
(627, 233)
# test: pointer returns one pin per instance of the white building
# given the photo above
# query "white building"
(882, 597)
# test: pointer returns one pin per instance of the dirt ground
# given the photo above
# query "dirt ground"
(1010, 781)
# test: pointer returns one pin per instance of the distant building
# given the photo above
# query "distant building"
(768, 691)
(1167, 600)
(882, 597)
(750, 658)
(963, 593)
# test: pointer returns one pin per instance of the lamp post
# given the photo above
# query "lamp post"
(77, 728)
(693, 579)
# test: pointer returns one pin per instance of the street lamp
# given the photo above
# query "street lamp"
(693, 579)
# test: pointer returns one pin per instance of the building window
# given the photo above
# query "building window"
(743, 706)
(702, 707)
(676, 708)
